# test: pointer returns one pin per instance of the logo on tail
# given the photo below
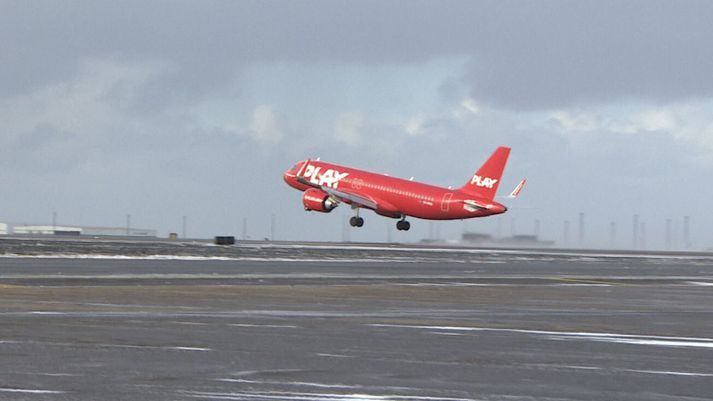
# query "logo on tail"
(484, 183)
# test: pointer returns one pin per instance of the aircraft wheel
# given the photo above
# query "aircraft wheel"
(403, 225)
(359, 221)
(353, 221)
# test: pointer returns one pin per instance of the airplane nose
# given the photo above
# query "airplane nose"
(287, 176)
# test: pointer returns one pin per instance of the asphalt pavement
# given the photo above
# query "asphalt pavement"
(324, 323)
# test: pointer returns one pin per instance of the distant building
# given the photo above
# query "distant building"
(514, 241)
(477, 238)
(118, 232)
(525, 241)
(47, 230)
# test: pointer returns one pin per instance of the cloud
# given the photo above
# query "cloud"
(88, 104)
(145, 106)
(265, 125)
(349, 128)
(688, 123)
(69, 123)
(530, 56)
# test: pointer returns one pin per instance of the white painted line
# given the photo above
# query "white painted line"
(274, 326)
(665, 372)
(441, 333)
(189, 348)
(581, 367)
(28, 391)
(298, 384)
(209, 258)
(666, 341)
(300, 396)
(335, 356)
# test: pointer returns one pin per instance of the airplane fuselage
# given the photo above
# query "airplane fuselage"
(394, 197)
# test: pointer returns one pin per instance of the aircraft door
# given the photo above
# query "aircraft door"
(446, 201)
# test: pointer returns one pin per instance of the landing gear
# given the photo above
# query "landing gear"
(403, 225)
(356, 221)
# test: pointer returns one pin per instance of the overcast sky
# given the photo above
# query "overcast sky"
(161, 109)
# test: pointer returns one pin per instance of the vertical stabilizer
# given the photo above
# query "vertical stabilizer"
(486, 180)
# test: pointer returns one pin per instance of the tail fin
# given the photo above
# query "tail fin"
(486, 180)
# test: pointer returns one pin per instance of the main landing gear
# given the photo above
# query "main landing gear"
(356, 221)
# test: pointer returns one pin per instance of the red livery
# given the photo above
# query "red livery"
(326, 185)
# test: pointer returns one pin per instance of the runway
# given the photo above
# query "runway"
(310, 322)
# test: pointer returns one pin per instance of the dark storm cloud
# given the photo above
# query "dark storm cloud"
(571, 52)
(524, 54)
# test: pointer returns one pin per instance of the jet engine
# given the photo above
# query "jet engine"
(314, 199)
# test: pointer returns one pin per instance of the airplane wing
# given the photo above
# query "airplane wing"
(354, 199)
(341, 196)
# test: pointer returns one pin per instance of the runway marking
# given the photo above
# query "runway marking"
(665, 372)
(582, 256)
(55, 374)
(441, 333)
(558, 366)
(129, 346)
(8, 286)
(454, 284)
(190, 323)
(275, 326)
(189, 348)
(177, 348)
(579, 367)
(299, 384)
(336, 356)
(585, 281)
(47, 313)
(454, 280)
(388, 259)
(666, 341)
(29, 391)
(639, 341)
(300, 396)
(270, 371)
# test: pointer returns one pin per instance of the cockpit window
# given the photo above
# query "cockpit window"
(294, 167)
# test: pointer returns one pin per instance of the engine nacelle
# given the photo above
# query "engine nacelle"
(314, 199)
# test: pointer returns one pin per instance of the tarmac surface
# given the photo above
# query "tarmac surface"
(325, 322)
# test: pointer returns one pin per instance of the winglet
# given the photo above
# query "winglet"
(515, 192)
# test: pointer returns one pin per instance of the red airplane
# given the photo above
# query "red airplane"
(326, 185)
